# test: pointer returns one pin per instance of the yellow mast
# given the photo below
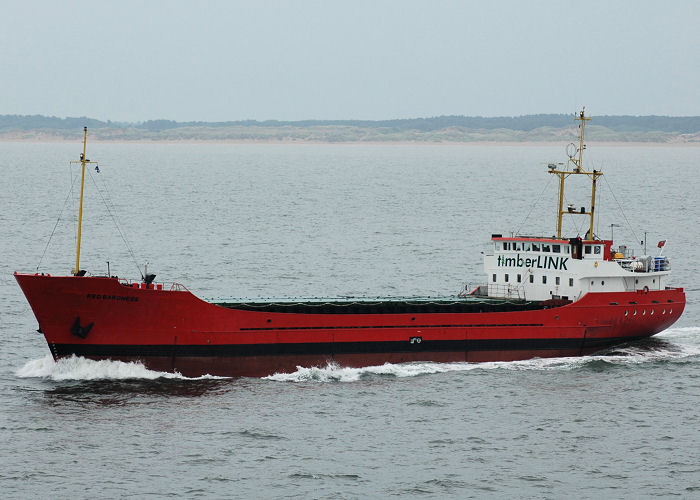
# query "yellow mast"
(577, 164)
(83, 161)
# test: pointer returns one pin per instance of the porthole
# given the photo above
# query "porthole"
(627, 313)
(602, 283)
(651, 312)
(654, 280)
(591, 282)
(663, 312)
(634, 313)
(636, 281)
(644, 312)
(670, 311)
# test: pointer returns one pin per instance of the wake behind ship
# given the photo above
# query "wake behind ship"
(544, 297)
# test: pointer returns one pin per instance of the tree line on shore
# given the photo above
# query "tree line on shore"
(671, 124)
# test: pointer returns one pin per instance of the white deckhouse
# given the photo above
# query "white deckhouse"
(542, 268)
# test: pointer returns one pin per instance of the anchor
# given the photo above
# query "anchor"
(81, 331)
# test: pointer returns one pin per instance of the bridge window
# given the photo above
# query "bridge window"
(516, 246)
(506, 245)
(556, 248)
(535, 247)
(587, 249)
(526, 247)
(545, 248)
(596, 249)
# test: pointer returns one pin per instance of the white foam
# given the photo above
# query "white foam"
(78, 368)
(686, 333)
(332, 372)
(629, 355)
(685, 343)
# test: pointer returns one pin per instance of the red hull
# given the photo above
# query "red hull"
(101, 318)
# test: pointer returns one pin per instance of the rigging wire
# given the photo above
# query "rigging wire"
(597, 214)
(114, 220)
(532, 207)
(65, 202)
(621, 211)
(74, 212)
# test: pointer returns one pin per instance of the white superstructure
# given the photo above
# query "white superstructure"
(541, 268)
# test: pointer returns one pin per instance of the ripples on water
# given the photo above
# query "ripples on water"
(621, 424)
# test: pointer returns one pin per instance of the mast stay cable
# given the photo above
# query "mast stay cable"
(532, 207)
(65, 202)
(621, 211)
(114, 220)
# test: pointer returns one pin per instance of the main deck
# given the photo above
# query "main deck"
(382, 305)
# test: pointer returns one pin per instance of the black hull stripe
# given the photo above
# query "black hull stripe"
(375, 327)
(320, 348)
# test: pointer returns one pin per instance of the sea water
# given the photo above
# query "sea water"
(242, 220)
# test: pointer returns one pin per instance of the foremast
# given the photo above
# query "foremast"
(575, 167)
(83, 161)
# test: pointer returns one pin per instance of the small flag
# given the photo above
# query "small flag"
(661, 243)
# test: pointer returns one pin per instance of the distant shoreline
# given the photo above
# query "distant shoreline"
(494, 143)
(450, 130)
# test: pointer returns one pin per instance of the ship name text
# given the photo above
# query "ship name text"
(539, 262)
(100, 296)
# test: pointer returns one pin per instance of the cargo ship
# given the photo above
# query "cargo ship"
(544, 296)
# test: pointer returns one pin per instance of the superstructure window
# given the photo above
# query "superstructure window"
(526, 247)
(556, 248)
(532, 278)
(587, 249)
(520, 278)
(545, 248)
(596, 249)
(506, 245)
(544, 280)
(516, 246)
(506, 277)
(556, 280)
(571, 282)
(535, 247)
(494, 278)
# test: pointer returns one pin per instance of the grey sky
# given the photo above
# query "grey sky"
(292, 60)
